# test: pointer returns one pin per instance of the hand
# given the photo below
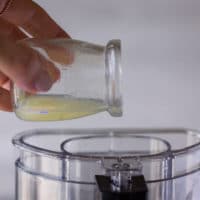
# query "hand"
(19, 63)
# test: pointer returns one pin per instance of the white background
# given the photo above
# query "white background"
(161, 57)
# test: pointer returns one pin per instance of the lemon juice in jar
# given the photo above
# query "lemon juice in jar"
(58, 108)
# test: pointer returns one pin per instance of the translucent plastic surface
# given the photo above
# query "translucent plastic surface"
(62, 164)
(115, 145)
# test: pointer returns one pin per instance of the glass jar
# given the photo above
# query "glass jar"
(89, 82)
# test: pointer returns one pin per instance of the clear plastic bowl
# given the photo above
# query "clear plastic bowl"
(62, 164)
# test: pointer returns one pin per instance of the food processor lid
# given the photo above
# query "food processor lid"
(104, 146)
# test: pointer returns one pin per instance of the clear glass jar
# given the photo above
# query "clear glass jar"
(89, 82)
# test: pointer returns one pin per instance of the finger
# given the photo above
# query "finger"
(59, 54)
(53, 48)
(5, 100)
(13, 33)
(27, 68)
(10, 31)
(33, 19)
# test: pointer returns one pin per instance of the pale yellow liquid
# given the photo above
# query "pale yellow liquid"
(53, 108)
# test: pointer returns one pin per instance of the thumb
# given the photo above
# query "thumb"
(26, 68)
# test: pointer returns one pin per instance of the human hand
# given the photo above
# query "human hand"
(19, 63)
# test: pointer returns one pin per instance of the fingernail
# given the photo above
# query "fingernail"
(43, 82)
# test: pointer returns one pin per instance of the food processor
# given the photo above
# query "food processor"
(102, 164)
